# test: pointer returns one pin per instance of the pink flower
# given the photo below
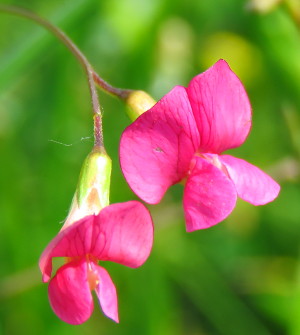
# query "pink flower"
(181, 138)
(121, 233)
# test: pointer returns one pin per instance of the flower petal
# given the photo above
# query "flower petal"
(156, 149)
(221, 108)
(252, 184)
(107, 295)
(69, 293)
(73, 241)
(121, 233)
(125, 234)
(209, 196)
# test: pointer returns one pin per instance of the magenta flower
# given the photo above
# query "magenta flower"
(180, 140)
(121, 233)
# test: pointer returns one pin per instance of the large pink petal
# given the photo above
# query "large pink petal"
(252, 184)
(209, 196)
(107, 295)
(156, 149)
(69, 293)
(221, 108)
(125, 234)
(120, 233)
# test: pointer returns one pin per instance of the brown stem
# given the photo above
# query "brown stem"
(92, 76)
(118, 92)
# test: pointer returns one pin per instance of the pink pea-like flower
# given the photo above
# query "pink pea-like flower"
(181, 138)
(121, 233)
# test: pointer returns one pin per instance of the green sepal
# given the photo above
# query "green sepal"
(94, 180)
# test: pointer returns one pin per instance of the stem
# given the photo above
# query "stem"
(118, 92)
(92, 76)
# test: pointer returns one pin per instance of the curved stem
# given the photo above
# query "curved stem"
(118, 92)
(79, 55)
(92, 76)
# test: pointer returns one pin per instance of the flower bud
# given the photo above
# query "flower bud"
(138, 102)
(92, 193)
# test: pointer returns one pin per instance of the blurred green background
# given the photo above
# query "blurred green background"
(241, 277)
